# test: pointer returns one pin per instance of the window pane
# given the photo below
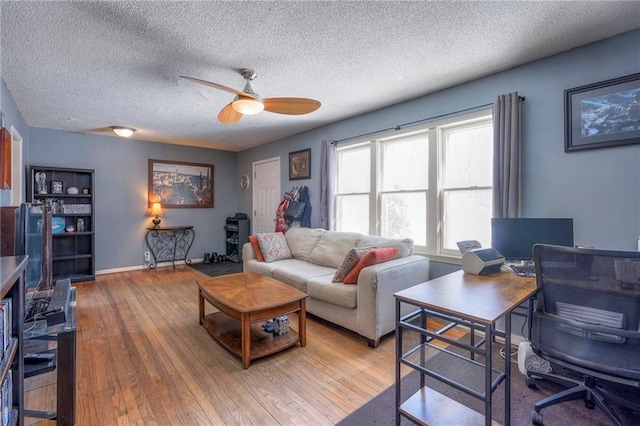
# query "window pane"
(405, 216)
(405, 164)
(467, 156)
(352, 213)
(354, 170)
(466, 216)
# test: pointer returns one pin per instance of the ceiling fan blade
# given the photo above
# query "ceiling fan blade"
(228, 115)
(218, 86)
(291, 106)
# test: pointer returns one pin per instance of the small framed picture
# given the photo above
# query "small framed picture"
(300, 164)
(56, 187)
(80, 224)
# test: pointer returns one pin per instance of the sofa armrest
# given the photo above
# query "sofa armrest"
(376, 286)
(247, 253)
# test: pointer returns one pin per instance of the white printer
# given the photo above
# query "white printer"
(479, 261)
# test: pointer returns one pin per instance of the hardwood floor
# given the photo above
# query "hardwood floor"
(142, 358)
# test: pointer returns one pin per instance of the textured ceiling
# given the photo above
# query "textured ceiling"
(84, 66)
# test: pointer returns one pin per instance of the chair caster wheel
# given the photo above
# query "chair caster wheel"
(531, 383)
(536, 418)
(589, 404)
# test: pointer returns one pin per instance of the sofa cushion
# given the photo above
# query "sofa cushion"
(372, 257)
(273, 246)
(256, 248)
(350, 260)
(321, 288)
(332, 247)
(405, 246)
(302, 241)
(296, 272)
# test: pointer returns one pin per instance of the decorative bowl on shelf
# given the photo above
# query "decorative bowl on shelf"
(57, 224)
(70, 228)
(72, 190)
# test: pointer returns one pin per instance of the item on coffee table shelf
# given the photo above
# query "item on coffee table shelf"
(281, 325)
(268, 326)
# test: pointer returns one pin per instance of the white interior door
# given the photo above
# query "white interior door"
(266, 194)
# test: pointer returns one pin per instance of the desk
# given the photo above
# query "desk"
(474, 301)
(169, 243)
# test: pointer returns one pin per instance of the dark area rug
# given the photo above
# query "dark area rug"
(220, 268)
(381, 409)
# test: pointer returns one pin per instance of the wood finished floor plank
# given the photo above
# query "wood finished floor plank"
(143, 358)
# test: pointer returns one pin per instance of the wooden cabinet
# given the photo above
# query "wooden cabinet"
(69, 193)
(236, 234)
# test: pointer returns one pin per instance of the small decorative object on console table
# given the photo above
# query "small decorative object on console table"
(170, 243)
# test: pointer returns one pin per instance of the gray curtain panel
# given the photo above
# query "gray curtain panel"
(506, 155)
(327, 183)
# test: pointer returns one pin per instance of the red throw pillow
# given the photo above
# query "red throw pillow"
(256, 247)
(372, 257)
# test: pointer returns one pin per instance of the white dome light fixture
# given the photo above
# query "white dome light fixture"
(123, 132)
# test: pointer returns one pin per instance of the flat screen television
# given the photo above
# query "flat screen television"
(515, 237)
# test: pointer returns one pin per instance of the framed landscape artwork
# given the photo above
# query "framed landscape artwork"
(300, 164)
(603, 114)
(178, 184)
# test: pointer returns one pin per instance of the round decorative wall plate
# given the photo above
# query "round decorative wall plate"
(244, 182)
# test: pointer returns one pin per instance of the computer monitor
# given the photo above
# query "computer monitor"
(515, 237)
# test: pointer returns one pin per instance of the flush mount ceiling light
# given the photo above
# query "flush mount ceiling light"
(123, 132)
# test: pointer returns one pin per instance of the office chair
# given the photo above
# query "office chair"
(587, 321)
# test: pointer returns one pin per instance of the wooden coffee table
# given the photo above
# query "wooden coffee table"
(244, 300)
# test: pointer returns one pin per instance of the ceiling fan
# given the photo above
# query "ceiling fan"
(249, 102)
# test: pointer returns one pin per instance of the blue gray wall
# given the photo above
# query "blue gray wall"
(600, 189)
(12, 117)
(121, 179)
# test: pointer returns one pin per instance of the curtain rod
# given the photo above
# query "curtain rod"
(400, 126)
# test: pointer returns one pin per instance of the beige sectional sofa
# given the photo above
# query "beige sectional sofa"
(368, 307)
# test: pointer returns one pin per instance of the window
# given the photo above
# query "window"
(432, 185)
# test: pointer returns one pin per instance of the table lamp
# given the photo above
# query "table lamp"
(156, 210)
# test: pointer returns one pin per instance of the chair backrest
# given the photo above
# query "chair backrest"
(588, 310)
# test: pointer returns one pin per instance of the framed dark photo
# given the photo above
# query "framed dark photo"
(602, 115)
(178, 184)
(300, 164)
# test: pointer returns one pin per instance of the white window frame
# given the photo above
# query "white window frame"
(435, 193)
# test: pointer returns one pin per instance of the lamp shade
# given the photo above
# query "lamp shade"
(248, 106)
(156, 209)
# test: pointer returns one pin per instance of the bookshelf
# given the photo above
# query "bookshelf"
(69, 193)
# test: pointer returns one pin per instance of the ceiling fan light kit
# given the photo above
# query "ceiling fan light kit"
(248, 106)
(123, 132)
(248, 102)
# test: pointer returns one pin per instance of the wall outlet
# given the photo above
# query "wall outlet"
(147, 256)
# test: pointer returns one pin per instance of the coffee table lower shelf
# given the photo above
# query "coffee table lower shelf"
(227, 332)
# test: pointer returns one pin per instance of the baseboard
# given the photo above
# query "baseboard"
(139, 267)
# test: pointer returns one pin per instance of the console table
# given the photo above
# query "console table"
(473, 301)
(169, 243)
